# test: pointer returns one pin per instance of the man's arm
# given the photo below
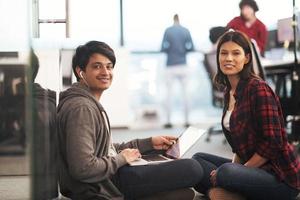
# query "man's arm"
(153, 143)
(165, 43)
(81, 140)
(189, 45)
(142, 145)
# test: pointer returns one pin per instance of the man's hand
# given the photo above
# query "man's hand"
(131, 155)
(163, 142)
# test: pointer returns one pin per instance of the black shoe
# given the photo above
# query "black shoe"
(187, 125)
(168, 125)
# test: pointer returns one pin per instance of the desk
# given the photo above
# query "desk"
(280, 72)
(271, 65)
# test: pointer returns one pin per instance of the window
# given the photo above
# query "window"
(95, 19)
(145, 21)
(51, 18)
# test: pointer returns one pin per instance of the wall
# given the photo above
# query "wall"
(14, 29)
(115, 99)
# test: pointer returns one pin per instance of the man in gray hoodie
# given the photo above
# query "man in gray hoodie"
(91, 166)
(44, 137)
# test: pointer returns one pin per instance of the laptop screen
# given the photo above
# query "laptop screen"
(185, 141)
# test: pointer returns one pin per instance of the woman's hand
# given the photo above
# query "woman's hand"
(213, 177)
(131, 155)
(256, 161)
(163, 142)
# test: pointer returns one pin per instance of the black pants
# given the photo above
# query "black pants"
(139, 181)
(252, 183)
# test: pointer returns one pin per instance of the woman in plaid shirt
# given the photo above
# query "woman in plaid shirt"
(264, 165)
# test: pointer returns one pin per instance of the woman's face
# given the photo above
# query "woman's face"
(247, 12)
(232, 58)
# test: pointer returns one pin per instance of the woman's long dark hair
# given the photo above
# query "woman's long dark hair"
(243, 41)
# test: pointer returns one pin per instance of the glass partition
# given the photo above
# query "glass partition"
(15, 98)
(27, 110)
(30, 80)
(15, 123)
(44, 142)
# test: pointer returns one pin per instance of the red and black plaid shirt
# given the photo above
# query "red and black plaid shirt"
(257, 126)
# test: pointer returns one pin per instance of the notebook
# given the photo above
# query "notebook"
(184, 142)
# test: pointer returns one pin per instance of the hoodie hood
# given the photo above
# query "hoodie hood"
(43, 94)
(77, 90)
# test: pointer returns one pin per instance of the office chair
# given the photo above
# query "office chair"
(210, 64)
(256, 59)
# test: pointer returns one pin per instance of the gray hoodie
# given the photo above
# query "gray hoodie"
(44, 144)
(85, 169)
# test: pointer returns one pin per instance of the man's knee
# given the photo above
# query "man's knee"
(200, 156)
(127, 173)
(193, 170)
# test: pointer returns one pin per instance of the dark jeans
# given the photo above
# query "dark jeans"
(140, 181)
(252, 183)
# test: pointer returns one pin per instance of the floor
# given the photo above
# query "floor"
(17, 187)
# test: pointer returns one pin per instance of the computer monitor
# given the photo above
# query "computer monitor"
(285, 30)
(272, 41)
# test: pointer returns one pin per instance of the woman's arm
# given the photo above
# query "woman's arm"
(271, 137)
(236, 159)
(256, 161)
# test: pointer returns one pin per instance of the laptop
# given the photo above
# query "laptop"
(184, 142)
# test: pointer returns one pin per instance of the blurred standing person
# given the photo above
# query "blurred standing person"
(248, 23)
(177, 41)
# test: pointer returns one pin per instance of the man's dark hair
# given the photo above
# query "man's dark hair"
(176, 18)
(84, 52)
(34, 64)
(216, 32)
(250, 3)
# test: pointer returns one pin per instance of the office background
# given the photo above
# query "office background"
(55, 28)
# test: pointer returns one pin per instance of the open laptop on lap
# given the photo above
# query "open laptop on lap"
(185, 141)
